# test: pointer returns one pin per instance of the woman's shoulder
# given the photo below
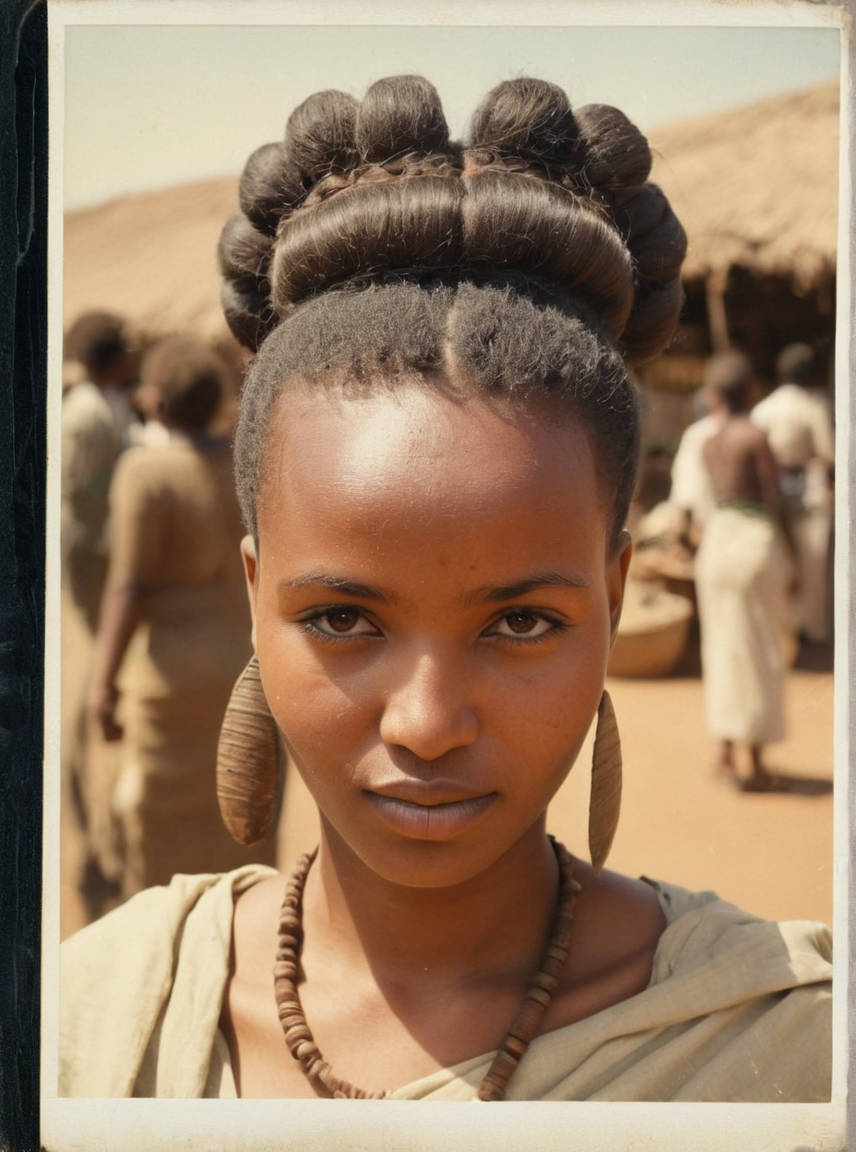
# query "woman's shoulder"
(704, 931)
(157, 962)
(139, 471)
(618, 916)
(166, 907)
(736, 1008)
(695, 947)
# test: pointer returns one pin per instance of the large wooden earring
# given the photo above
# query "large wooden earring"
(248, 784)
(605, 801)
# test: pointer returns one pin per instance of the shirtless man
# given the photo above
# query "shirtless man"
(741, 578)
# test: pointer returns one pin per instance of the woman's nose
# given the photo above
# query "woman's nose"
(429, 709)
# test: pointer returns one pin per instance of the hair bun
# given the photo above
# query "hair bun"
(528, 118)
(249, 315)
(655, 236)
(269, 187)
(617, 156)
(243, 254)
(319, 135)
(362, 192)
(400, 114)
(514, 221)
(653, 321)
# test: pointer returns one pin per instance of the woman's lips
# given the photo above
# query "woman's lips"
(437, 821)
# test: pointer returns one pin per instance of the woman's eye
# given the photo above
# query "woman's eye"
(523, 624)
(342, 621)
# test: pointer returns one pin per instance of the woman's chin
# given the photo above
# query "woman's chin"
(450, 855)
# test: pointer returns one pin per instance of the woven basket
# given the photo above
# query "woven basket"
(653, 632)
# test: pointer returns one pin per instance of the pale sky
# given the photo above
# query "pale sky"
(148, 107)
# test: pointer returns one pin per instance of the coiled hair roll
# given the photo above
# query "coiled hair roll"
(535, 260)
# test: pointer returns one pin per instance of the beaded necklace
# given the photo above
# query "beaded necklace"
(523, 1029)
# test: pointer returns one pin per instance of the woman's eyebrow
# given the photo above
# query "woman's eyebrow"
(521, 587)
(336, 584)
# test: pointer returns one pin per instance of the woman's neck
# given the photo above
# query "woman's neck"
(492, 927)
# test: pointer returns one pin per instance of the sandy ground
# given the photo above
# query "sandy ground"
(772, 854)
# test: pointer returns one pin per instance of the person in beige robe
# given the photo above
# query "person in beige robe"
(175, 631)
(796, 418)
(742, 576)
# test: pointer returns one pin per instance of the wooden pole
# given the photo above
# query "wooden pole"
(717, 315)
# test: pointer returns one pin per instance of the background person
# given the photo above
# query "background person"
(96, 422)
(691, 490)
(742, 580)
(796, 417)
(101, 364)
(174, 627)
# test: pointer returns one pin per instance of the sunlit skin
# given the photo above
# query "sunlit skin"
(434, 597)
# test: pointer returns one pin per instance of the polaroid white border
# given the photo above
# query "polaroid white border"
(84, 1125)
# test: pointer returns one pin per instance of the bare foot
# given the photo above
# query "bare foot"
(724, 766)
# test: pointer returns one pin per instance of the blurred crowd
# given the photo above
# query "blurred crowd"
(156, 622)
(746, 506)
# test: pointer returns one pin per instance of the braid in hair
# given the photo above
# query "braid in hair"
(535, 262)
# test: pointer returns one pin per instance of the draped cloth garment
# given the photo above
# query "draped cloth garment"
(737, 1009)
(741, 585)
(176, 537)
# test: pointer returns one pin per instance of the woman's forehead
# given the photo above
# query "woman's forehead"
(416, 458)
(412, 433)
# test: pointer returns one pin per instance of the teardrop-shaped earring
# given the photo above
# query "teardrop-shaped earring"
(605, 800)
(248, 775)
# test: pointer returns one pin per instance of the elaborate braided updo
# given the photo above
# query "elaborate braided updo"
(533, 262)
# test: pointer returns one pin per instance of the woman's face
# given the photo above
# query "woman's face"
(433, 603)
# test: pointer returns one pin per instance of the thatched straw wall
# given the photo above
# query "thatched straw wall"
(757, 186)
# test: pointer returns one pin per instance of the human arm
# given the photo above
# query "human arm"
(767, 471)
(692, 488)
(88, 455)
(121, 612)
(135, 559)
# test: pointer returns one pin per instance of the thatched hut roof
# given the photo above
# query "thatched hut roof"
(151, 257)
(757, 185)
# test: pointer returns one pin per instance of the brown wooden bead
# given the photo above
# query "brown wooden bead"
(491, 1088)
(514, 1046)
(528, 1019)
(504, 1063)
(546, 981)
(539, 996)
(297, 1032)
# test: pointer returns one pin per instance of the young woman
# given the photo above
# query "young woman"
(436, 453)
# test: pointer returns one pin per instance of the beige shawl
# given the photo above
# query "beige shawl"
(737, 1009)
